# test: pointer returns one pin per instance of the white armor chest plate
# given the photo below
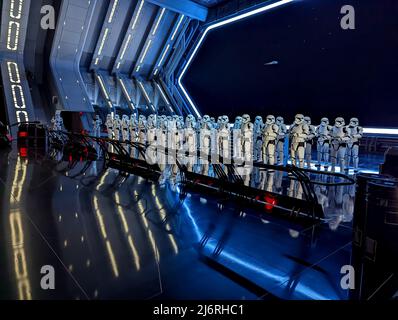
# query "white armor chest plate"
(151, 135)
(247, 131)
(117, 124)
(298, 133)
(270, 132)
(338, 132)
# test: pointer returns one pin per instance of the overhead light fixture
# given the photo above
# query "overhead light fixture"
(103, 87)
(215, 26)
(103, 41)
(163, 94)
(138, 14)
(125, 46)
(146, 51)
(115, 2)
(177, 28)
(158, 22)
(164, 55)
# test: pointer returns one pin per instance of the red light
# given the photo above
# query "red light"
(22, 134)
(270, 202)
(23, 152)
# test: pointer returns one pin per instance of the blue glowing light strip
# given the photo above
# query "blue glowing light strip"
(215, 26)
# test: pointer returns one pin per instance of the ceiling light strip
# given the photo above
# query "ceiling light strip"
(177, 28)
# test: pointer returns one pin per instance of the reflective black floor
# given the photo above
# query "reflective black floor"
(114, 237)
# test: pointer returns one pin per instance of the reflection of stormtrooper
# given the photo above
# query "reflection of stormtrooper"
(355, 133)
(205, 144)
(190, 141)
(223, 137)
(237, 139)
(280, 146)
(309, 141)
(257, 136)
(323, 141)
(298, 135)
(340, 138)
(270, 134)
(117, 126)
(125, 128)
(109, 126)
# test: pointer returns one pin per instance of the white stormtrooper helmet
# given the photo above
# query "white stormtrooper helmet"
(299, 119)
(270, 119)
(142, 119)
(339, 122)
(354, 122)
(258, 120)
(117, 118)
(213, 120)
(169, 118)
(324, 121)
(206, 119)
(238, 120)
(190, 121)
(245, 119)
(225, 119)
(307, 120)
(108, 117)
(152, 121)
(280, 121)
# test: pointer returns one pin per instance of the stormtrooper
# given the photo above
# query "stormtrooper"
(339, 138)
(310, 141)
(142, 129)
(190, 141)
(247, 148)
(237, 139)
(161, 143)
(151, 139)
(298, 135)
(270, 134)
(125, 128)
(323, 141)
(247, 138)
(355, 133)
(97, 123)
(205, 144)
(258, 142)
(223, 138)
(280, 145)
(117, 126)
(174, 145)
(109, 127)
(133, 128)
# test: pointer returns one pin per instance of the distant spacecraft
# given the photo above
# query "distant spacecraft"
(271, 63)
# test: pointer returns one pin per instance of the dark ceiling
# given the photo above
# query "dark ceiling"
(209, 3)
(299, 59)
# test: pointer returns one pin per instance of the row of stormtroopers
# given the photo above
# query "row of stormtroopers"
(339, 143)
